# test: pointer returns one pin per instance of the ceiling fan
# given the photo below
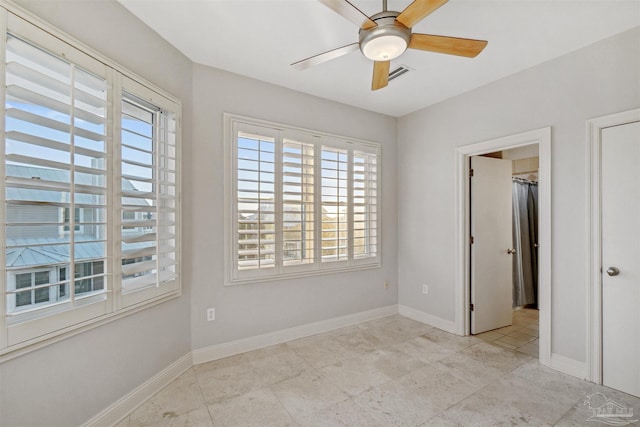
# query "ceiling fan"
(386, 35)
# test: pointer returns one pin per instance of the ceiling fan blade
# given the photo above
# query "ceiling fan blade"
(448, 45)
(350, 12)
(324, 57)
(418, 10)
(380, 74)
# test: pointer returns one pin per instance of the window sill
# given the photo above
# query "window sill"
(305, 274)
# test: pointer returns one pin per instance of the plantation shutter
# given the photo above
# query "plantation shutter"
(365, 205)
(55, 170)
(255, 195)
(298, 202)
(149, 192)
(334, 204)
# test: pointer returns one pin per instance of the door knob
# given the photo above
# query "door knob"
(511, 251)
(613, 271)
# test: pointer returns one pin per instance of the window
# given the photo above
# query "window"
(300, 203)
(89, 277)
(148, 201)
(71, 177)
(29, 289)
(66, 219)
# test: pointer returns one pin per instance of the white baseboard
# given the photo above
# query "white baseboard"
(127, 404)
(429, 319)
(232, 348)
(569, 366)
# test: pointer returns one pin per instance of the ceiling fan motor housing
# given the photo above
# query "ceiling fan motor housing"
(386, 41)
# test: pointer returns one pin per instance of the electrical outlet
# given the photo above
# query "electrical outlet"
(425, 289)
(386, 284)
(211, 314)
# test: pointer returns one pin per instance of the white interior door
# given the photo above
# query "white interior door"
(491, 263)
(621, 258)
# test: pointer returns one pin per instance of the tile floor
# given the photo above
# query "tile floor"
(387, 372)
(521, 336)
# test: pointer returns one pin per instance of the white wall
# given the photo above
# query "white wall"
(600, 79)
(67, 383)
(252, 309)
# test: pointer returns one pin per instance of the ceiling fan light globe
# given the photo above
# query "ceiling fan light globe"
(384, 48)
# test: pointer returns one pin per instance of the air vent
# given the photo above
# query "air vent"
(403, 69)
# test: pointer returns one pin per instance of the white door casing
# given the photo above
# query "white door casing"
(541, 137)
(620, 211)
(491, 261)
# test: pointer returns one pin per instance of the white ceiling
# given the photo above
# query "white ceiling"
(261, 38)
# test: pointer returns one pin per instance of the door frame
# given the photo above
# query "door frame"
(542, 137)
(594, 255)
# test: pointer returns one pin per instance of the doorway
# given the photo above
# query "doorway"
(541, 138)
(504, 249)
(614, 346)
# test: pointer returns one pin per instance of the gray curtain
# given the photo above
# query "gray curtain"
(525, 238)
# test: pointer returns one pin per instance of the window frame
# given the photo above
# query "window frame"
(232, 125)
(13, 281)
(78, 218)
(53, 323)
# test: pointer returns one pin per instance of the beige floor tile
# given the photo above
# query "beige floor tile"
(464, 366)
(198, 417)
(478, 410)
(256, 408)
(440, 386)
(307, 393)
(393, 404)
(221, 380)
(507, 329)
(424, 349)
(441, 421)
(357, 340)
(279, 367)
(321, 350)
(412, 328)
(521, 321)
(532, 349)
(393, 361)
(530, 330)
(495, 357)
(504, 344)
(533, 391)
(516, 339)
(398, 330)
(489, 336)
(180, 397)
(342, 414)
(450, 341)
(483, 363)
(354, 375)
